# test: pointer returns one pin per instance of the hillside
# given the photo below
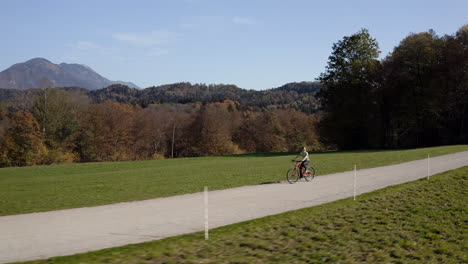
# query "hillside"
(28, 75)
(300, 96)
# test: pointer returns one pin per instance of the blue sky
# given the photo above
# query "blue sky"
(255, 44)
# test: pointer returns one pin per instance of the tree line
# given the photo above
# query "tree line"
(64, 126)
(416, 96)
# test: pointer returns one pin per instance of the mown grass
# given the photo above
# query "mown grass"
(45, 188)
(424, 221)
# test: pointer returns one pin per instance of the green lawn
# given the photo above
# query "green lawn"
(44, 188)
(424, 221)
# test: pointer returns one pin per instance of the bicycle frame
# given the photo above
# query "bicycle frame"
(298, 166)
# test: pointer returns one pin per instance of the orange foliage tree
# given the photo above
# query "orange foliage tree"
(211, 131)
(22, 144)
(105, 133)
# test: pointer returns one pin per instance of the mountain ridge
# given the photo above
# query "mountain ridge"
(28, 74)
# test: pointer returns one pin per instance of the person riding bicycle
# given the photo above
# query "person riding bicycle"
(304, 161)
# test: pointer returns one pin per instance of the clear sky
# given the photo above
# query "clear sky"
(255, 44)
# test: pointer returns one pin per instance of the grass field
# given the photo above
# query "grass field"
(424, 221)
(44, 188)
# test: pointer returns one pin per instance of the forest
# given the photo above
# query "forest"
(416, 96)
(63, 126)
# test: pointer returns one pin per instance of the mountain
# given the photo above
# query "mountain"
(28, 75)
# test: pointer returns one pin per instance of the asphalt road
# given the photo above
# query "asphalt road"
(65, 232)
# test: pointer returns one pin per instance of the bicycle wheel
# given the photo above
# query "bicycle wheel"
(310, 175)
(292, 176)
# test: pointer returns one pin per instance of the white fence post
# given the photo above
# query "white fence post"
(354, 182)
(206, 213)
(428, 166)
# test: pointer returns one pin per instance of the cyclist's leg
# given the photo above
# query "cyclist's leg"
(304, 164)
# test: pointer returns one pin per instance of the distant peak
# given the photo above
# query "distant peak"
(38, 60)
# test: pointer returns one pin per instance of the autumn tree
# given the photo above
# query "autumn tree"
(270, 134)
(4, 120)
(151, 132)
(246, 133)
(300, 129)
(22, 145)
(105, 132)
(212, 131)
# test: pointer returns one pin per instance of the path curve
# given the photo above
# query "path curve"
(65, 232)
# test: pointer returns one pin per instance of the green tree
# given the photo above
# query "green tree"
(455, 71)
(350, 96)
(57, 113)
(413, 92)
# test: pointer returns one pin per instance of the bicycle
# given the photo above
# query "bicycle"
(293, 174)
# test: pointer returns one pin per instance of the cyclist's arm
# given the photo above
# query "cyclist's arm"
(305, 158)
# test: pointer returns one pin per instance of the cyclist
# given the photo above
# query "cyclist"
(304, 161)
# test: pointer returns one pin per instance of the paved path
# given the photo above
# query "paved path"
(65, 232)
